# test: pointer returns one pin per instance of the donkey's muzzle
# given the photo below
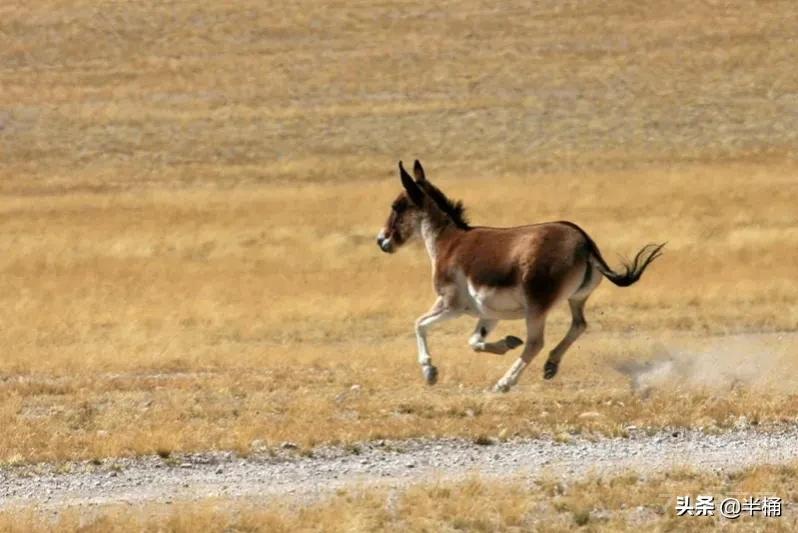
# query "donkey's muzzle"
(385, 244)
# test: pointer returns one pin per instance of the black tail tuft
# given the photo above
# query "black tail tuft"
(633, 270)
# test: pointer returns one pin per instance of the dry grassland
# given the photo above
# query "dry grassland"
(190, 194)
(622, 502)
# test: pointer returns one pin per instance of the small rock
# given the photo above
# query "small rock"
(186, 465)
(288, 445)
(410, 465)
(355, 387)
(219, 470)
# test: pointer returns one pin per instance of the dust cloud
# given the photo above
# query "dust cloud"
(754, 361)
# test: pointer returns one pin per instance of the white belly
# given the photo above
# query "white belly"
(497, 302)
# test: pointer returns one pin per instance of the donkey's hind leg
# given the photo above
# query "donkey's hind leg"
(534, 343)
(483, 329)
(578, 326)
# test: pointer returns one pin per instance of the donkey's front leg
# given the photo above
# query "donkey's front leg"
(439, 312)
(483, 329)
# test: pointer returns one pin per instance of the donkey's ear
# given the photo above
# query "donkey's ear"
(418, 171)
(413, 191)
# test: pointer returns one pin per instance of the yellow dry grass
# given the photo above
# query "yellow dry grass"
(190, 193)
(621, 502)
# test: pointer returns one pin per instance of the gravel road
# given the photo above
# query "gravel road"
(392, 463)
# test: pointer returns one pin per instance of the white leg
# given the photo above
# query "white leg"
(438, 313)
(534, 343)
(483, 329)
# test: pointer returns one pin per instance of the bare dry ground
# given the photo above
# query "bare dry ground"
(189, 194)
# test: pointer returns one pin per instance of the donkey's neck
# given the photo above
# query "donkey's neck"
(430, 233)
(433, 233)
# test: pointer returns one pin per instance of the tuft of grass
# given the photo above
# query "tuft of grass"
(163, 453)
(65, 468)
(483, 440)
(306, 452)
(353, 449)
(581, 517)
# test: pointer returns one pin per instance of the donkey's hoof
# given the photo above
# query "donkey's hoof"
(501, 387)
(512, 342)
(550, 370)
(430, 374)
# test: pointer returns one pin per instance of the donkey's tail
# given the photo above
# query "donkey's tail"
(631, 271)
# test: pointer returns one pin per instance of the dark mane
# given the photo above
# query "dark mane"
(454, 209)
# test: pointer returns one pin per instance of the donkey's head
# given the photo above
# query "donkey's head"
(407, 210)
(421, 201)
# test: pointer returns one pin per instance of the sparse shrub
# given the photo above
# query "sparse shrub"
(353, 449)
(483, 440)
(581, 517)
(163, 453)
(306, 452)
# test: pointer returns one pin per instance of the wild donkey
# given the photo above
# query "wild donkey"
(500, 273)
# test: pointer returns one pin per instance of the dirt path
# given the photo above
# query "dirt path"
(392, 464)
